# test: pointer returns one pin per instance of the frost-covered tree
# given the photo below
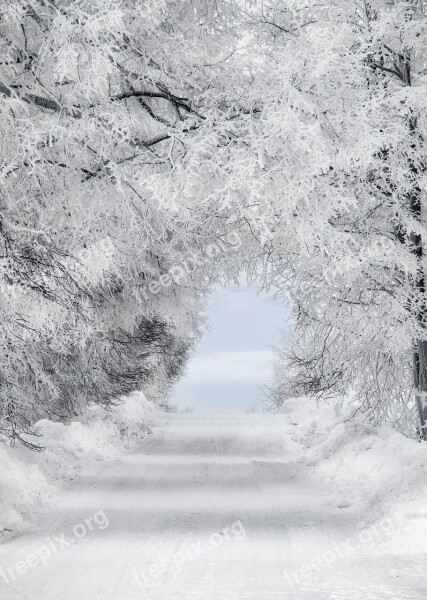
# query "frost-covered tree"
(99, 100)
(343, 151)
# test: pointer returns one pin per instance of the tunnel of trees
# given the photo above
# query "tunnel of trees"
(149, 148)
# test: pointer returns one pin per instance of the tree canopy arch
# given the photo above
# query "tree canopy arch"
(138, 138)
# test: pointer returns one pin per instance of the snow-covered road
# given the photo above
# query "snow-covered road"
(211, 507)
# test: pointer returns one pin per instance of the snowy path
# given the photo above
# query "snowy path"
(212, 507)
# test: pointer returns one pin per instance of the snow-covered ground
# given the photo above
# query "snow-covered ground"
(228, 506)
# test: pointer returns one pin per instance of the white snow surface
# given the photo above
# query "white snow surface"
(231, 506)
(29, 480)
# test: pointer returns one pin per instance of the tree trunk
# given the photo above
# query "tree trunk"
(420, 384)
(417, 248)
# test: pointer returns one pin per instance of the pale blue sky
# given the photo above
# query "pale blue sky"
(233, 362)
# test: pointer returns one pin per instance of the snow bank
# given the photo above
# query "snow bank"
(28, 480)
(375, 472)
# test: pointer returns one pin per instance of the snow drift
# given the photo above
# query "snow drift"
(371, 471)
(29, 480)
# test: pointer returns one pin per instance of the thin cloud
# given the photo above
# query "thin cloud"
(246, 366)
